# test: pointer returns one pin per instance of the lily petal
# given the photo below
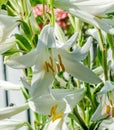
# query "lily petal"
(11, 124)
(7, 24)
(11, 111)
(22, 61)
(108, 86)
(81, 53)
(46, 38)
(7, 44)
(76, 69)
(71, 97)
(41, 83)
(9, 86)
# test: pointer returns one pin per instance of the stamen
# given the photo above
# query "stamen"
(57, 116)
(51, 60)
(53, 110)
(51, 67)
(63, 67)
(110, 100)
(112, 111)
(107, 109)
(60, 59)
(58, 67)
(46, 64)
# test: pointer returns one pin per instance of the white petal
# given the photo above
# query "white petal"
(25, 84)
(11, 111)
(47, 38)
(71, 97)
(82, 52)
(59, 124)
(9, 86)
(59, 33)
(70, 41)
(76, 69)
(11, 124)
(7, 44)
(98, 114)
(7, 24)
(42, 82)
(108, 86)
(96, 7)
(22, 61)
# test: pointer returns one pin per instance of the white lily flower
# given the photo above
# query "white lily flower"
(56, 104)
(6, 85)
(49, 59)
(90, 11)
(106, 106)
(11, 111)
(11, 124)
(63, 98)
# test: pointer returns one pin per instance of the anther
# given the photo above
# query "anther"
(107, 109)
(51, 60)
(58, 67)
(51, 67)
(110, 100)
(63, 67)
(60, 60)
(46, 64)
(112, 111)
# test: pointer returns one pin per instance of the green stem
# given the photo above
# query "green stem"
(30, 127)
(82, 123)
(103, 49)
(72, 124)
(52, 12)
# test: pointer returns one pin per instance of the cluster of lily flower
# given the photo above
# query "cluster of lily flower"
(60, 87)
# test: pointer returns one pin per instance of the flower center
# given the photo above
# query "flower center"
(59, 66)
(110, 109)
(54, 115)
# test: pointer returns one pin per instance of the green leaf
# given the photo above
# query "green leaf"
(23, 42)
(11, 52)
(26, 29)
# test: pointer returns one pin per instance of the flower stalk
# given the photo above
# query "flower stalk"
(104, 54)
